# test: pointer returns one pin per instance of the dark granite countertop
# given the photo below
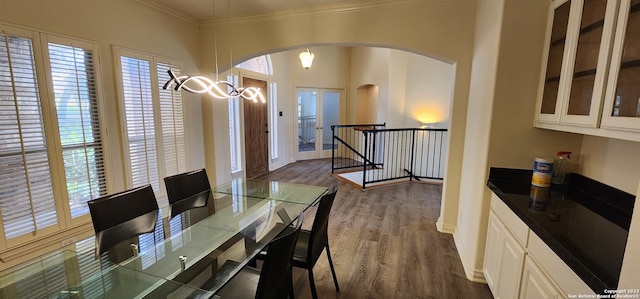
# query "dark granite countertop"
(586, 223)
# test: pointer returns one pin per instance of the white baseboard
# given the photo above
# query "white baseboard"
(445, 227)
(472, 273)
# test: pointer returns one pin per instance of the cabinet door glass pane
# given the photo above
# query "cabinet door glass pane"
(584, 72)
(554, 61)
(627, 96)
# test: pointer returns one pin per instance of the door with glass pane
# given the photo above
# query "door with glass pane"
(316, 110)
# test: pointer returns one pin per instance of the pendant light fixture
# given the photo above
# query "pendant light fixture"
(217, 89)
(306, 58)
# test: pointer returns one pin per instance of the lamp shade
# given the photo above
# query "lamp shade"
(306, 58)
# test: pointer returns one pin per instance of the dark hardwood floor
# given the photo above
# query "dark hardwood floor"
(383, 241)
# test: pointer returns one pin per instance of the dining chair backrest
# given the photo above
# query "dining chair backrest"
(120, 216)
(319, 238)
(187, 190)
(276, 279)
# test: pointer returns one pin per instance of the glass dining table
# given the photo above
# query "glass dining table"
(198, 245)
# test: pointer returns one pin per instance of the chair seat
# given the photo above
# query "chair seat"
(243, 285)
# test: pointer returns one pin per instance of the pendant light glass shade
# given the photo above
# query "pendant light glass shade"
(306, 58)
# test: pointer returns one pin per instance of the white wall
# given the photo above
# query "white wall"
(482, 90)
(370, 66)
(612, 161)
(414, 88)
(429, 92)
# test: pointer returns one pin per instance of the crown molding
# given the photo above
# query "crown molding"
(335, 9)
(324, 10)
(166, 10)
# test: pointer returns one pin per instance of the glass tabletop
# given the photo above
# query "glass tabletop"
(209, 252)
(296, 193)
(203, 241)
(68, 274)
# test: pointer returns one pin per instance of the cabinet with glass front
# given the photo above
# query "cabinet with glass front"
(622, 103)
(579, 37)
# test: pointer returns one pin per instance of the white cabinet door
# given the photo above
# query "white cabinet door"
(512, 262)
(492, 254)
(535, 284)
(504, 258)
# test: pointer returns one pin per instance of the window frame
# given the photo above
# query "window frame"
(102, 129)
(65, 224)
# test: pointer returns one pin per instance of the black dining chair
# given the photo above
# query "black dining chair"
(274, 280)
(123, 215)
(187, 191)
(311, 243)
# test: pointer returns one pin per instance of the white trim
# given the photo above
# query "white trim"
(445, 228)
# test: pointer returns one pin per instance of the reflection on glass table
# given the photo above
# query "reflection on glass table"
(67, 274)
(210, 252)
(296, 193)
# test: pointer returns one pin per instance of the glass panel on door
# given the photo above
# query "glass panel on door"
(317, 111)
(584, 73)
(330, 116)
(627, 95)
(307, 121)
(554, 60)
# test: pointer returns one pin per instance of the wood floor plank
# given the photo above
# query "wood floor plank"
(383, 241)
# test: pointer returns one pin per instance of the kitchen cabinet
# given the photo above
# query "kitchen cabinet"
(518, 264)
(504, 258)
(536, 284)
(622, 105)
(579, 38)
(591, 69)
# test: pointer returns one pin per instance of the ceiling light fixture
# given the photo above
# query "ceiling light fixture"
(306, 58)
(217, 89)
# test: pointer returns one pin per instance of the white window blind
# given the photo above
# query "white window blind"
(73, 78)
(26, 194)
(154, 120)
(172, 122)
(138, 106)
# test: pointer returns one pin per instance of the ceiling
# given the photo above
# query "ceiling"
(204, 11)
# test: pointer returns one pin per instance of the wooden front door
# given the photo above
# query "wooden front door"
(256, 131)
